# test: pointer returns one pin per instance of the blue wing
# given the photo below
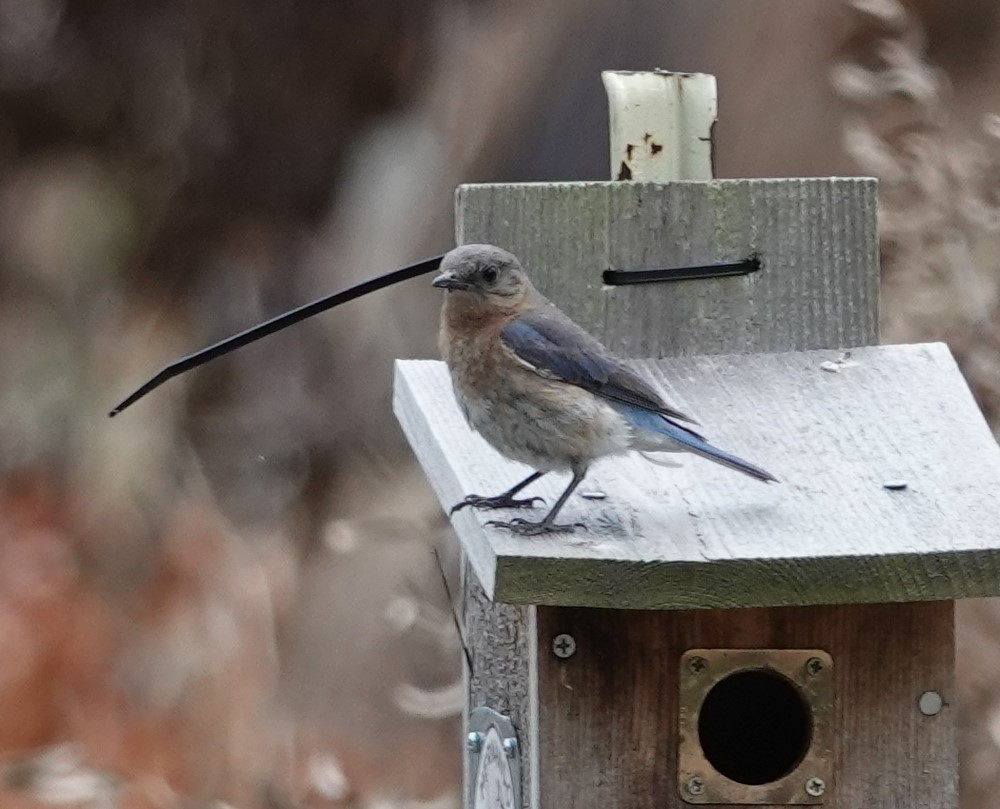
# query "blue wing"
(555, 347)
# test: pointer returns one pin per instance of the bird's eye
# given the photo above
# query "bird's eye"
(489, 275)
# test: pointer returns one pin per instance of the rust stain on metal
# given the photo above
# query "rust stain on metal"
(624, 173)
(654, 147)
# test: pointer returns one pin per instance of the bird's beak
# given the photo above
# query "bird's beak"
(448, 280)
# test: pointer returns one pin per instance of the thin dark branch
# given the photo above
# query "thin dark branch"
(276, 324)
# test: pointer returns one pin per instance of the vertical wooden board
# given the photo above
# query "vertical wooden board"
(608, 715)
(818, 286)
(501, 644)
(559, 231)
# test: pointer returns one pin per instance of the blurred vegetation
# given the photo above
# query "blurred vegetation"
(228, 593)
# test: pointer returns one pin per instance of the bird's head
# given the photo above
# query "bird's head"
(483, 275)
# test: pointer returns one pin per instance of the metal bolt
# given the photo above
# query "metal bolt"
(815, 787)
(696, 665)
(814, 666)
(930, 703)
(510, 747)
(564, 646)
(695, 786)
(474, 742)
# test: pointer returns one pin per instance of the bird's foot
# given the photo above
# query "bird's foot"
(497, 501)
(526, 528)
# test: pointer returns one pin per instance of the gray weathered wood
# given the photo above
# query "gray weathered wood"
(501, 641)
(608, 723)
(704, 536)
(816, 238)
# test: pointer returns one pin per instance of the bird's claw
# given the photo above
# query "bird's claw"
(498, 501)
(526, 528)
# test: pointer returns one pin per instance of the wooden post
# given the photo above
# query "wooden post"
(843, 584)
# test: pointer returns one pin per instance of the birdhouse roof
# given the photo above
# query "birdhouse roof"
(889, 492)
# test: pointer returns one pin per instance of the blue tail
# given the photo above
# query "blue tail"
(706, 450)
(645, 421)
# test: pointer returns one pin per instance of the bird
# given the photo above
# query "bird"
(544, 392)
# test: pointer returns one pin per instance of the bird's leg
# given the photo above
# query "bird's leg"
(505, 500)
(548, 525)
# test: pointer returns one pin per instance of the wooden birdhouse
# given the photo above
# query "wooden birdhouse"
(710, 639)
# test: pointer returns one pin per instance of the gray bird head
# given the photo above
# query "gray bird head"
(483, 273)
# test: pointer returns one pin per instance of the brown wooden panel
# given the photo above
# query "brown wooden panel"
(607, 727)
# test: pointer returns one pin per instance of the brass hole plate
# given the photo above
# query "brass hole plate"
(811, 782)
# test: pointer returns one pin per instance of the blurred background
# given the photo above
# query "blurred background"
(228, 596)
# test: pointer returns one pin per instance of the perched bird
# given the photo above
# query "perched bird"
(541, 390)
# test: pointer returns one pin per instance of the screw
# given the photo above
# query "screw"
(564, 646)
(815, 787)
(510, 747)
(931, 703)
(474, 742)
(814, 666)
(695, 786)
(696, 665)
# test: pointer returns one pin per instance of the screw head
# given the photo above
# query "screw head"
(563, 646)
(930, 703)
(696, 665)
(695, 785)
(510, 747)
(474, 742)
(815, 787)
(815, 666)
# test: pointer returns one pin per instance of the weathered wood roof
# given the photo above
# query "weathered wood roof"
(703, 536)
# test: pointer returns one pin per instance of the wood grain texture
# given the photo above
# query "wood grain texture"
(816, 238)
(703, 536)
(608, 715)
(501, 643)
